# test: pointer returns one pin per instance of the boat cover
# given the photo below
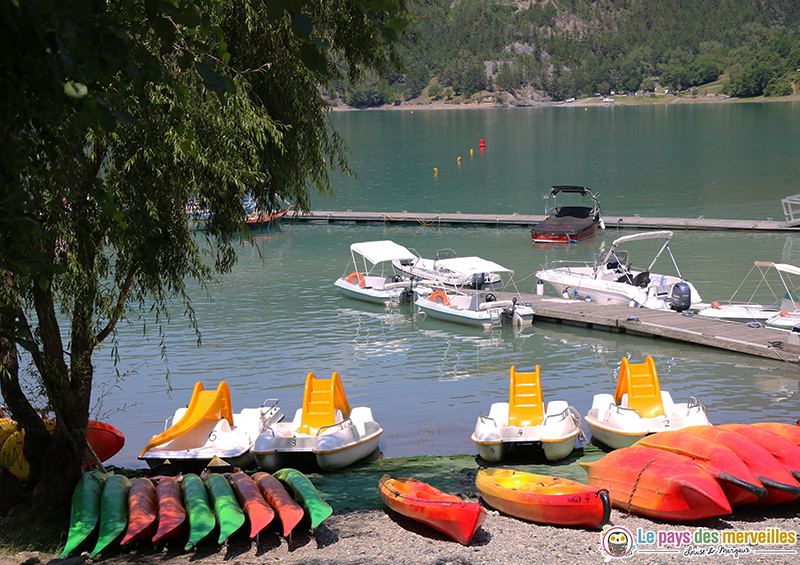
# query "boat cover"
(471, 265)
(379, 251)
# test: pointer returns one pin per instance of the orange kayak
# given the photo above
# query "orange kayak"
(172, 520)
(786, 452)
(738, 482)
(259, 513)
(658, 484)
(439, 510)
(544, 499)
(142, 511)
(787, 431)
(780, 484)
(288, 510)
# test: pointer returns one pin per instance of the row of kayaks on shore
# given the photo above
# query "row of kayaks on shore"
(188, 507)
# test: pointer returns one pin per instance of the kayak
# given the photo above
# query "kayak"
(259, 513)
(786, 452)
(85, 511)
(441, 511)
(780, 484)
(289, 512)
(790, 432)
(142, 511)
(306, 494)
(172, 521)
(658, 484)
(229, 514)
(544, 499)
(201, 518)
(113, 512)
(738, 482)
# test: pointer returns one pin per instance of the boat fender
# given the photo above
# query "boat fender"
(439, 297)
(539, 288)
(356, 278)
(715, 305)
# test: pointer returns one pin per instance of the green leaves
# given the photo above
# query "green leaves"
(75, 89)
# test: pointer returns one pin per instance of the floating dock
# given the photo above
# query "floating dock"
(528, 221)
(722, 334)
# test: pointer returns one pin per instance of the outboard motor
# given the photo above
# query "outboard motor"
(507, 315)
(478, 279)
(680, 298)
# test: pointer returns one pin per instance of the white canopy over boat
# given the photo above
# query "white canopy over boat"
(379, 251)
(667, 235)
(472, 265)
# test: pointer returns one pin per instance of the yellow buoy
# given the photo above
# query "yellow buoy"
(459, 159)
(470, 151)
(435, 171)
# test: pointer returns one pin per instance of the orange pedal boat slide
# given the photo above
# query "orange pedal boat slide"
(544, 499)
(658, 484)
(422, 502)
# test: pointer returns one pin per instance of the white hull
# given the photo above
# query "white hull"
(468, 309)
(619, 427)
(738, 312)
(371, 294)
(556, 435)
(333, 448)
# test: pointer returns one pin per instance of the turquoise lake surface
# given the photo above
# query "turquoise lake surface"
(277, 316)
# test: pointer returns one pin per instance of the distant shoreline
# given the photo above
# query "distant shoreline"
(488, 102)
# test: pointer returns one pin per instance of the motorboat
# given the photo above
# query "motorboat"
(524, 422)
(639, 407)
(479, 308)
(325, 430)
(432, 270)
(613, 280)
(208, 428)
(369, 274)
(565, 224)
(777, 290)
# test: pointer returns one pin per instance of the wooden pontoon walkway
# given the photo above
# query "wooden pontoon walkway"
(732, 336)
(520, 220)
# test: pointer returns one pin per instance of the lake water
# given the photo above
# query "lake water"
(277, 316)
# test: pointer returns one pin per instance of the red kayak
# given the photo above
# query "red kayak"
(439, 510)
(142, 511)
(288, 510)
(738, 482)
(786, 452)
(172, 520)
(787, 431)
(780, 484)
(658, 484)
(259, 513)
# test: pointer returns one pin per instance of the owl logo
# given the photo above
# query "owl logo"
(616, 541)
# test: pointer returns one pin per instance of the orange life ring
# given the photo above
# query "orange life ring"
(356, 276)
(441, 295)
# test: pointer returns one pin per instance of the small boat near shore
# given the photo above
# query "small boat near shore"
(639, 407)
(370, 276)
(612, 279)
(544, 499)
(565, 224)
(441, 511)
(523, 422)
(325, 430)
(206, 428)
(445, 274)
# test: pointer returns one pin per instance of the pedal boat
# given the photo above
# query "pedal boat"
(441, 511)
(639, 407)
(371, 276)
(325, 430)
(522, 422)
(206, 428)
(544, 499)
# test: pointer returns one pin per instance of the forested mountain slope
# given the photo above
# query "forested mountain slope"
(573, 48)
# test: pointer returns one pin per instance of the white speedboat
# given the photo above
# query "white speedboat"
(772, 299)
(325, 430)
(435, 271)
(612, 280)
(369, 274)
(523, 421)
(639, 407)
(206, 428)
(478, 308)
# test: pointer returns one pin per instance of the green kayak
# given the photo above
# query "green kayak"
(113, 511)
(229, 513)
(201, 518)
(306, 495)
(85, 510)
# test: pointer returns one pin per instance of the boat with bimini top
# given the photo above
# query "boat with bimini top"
(369, 274)
(613, 280)
(565, 224)
(435, 271)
